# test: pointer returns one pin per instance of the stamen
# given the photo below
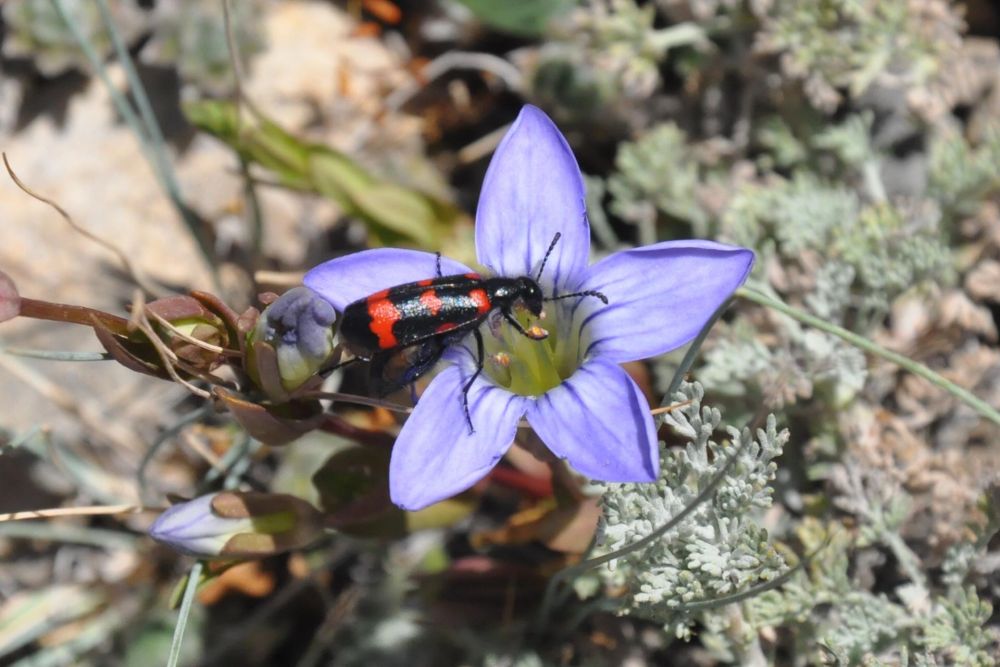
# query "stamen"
(537, 333)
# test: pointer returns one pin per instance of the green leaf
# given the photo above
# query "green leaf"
(526, 18)
(152, 645)
(393, 213)
(353, 486)
(29, 615)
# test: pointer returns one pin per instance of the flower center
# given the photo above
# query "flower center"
(527, 366)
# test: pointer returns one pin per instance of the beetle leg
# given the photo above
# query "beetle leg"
(437, 262)
(480, 354)
(524, 332)
(325, 372)
(394, 369)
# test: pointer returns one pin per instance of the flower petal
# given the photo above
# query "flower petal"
(346, 279)
(435, 456)
(533, 189)
(659, 296)
(599, 421)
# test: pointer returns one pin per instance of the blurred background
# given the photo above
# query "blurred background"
(853, 144)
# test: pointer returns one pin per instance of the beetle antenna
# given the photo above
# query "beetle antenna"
(589, 292)
(555, 239)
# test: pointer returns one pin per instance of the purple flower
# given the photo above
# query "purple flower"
(569, 386)
(298, 326)
(233, 524)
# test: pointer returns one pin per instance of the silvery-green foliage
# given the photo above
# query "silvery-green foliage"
(832, 296)
(850, 140)
(955, 629)
(700, 10)
(525, 659)
(382, 630)
(800, 213)
(191, 35)
(893, 248)
(657, 174)
(805, 363)
(35, 30)
(962, 561)
(889, 247)
(837, 621)
(607, 53)
(859, 623)
(841, 44)
(960, 173)
(187, 34)
(720, 549)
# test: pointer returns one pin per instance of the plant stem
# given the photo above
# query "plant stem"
(862, 343)
(660, 531)
(689, 356)
(55, 355)
(61, 312)
(148, 133)
(185, 611)
(69, 534)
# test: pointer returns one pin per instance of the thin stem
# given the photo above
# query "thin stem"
(93, 510)
(59, 532)
(22, 439)
(130, 268)
(185, 611)
(62, 312)
(55, 355)
(153, 131)
(692, 352)
(672, 523)
(358, 400)
(121, 104)
(135, 85)
(147, 135)
(915, 367)
(458, 60)
(167, 433)
(227, 466)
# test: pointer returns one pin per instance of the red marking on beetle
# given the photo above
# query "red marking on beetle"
(481, 301)
(431, 302)
(377, 296)
(473, 276)
(383, 314)
(446, 327)
(425, 282)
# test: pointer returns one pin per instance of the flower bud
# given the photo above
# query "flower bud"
(234, 525)
(190, 317)
(298, 327)
(180, 322)
(10, 300)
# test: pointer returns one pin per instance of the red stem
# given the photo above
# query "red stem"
(61, 312)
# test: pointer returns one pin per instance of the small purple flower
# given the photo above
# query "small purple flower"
(232, 524)
(298, 326)
(569, 386)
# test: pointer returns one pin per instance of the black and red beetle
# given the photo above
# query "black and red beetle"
(413, 324)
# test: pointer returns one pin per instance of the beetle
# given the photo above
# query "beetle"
(411, 325)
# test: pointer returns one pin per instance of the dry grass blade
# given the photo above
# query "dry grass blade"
(130, 268)
(93, 510)
(167, 356)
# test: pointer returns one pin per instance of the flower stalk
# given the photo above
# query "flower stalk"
(862, 343)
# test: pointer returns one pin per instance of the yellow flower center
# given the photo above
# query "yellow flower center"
(527, 366)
